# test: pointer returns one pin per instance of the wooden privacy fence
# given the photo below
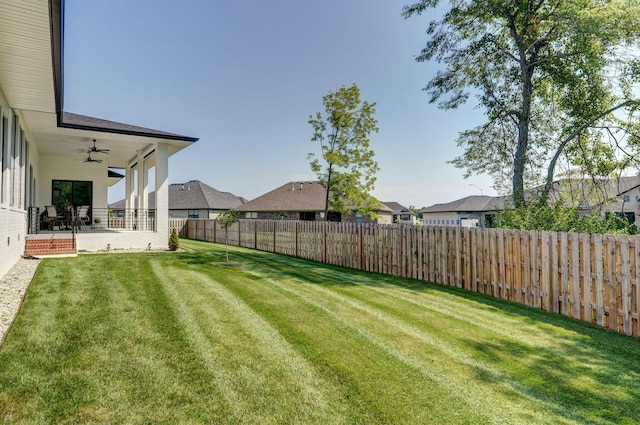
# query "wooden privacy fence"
(180, 224)
(593, 278)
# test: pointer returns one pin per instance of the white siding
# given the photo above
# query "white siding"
(13, 217)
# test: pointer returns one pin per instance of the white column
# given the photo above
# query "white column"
(162, 189)
(129, 196)
(141, 178)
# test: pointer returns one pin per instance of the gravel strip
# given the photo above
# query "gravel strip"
(13, 287)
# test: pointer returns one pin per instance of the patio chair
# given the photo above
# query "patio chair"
(82, 217)
(54, 218)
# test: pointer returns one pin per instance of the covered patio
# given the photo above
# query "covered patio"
(55, 158)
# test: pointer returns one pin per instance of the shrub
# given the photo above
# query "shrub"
(559, 218)
(174, 240)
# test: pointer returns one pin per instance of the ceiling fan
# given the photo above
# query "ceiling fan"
(89, 159)
(94, 149)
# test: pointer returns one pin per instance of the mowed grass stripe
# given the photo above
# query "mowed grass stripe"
(429, 355)
(112, 355)
(375, 371)
(267, 381)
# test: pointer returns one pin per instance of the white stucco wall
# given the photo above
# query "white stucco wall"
(122, 240)
(62, 168)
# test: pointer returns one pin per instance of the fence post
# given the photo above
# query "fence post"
(359, 247)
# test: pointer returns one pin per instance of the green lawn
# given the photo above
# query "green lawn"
(184, 338)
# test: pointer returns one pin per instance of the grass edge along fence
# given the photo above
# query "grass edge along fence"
(589, 277)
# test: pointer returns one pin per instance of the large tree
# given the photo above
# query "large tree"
(551, 75)
(346, 165)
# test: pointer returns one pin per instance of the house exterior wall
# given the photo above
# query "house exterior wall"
(630, 202)
(14, 190)
(202, 213)
(441, 219)
(61, 168)
(98, 241)
(404, 218)
(464, 219)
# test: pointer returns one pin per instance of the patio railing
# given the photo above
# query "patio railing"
(97, 219)
(123, 219)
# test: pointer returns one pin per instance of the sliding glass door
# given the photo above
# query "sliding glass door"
(70, 193)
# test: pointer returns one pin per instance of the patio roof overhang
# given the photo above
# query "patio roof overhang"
(31, 77)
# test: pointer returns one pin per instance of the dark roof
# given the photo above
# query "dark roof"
(114, 175)
(82, 122)
(193, 195)
(292, 196)
(398, 209)
(469, 204)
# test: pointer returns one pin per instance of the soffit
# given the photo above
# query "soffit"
(74, 143)
(26, 73)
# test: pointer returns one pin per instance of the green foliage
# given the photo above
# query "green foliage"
(559, 218)
(549, 74)
(174, 240)
(346, 166)
(227, 219)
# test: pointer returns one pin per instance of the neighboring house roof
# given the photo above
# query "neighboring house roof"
(193, 195)
(398, 209)
(292, 196)
(469, 204)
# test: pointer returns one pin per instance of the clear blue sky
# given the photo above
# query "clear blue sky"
(244, 76)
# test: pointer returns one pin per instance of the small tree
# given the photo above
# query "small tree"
(174, 240)
(225, 220)
(348, 168)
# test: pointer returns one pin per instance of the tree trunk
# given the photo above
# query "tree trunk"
(326, 196)
(523, 143)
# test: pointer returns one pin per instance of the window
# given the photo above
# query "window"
(13, 164)
(67, 193)
(252, 214)
(307, 216)
(627, 198)
(3, 156)
(334, 216)
(193, 213)
(359, 217)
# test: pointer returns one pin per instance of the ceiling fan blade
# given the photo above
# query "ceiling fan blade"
(94, 149)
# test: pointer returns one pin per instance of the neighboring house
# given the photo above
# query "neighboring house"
(192, 199)
(467, 212)
(43, 149)
(401, 214)
(301, 201)
(620, 196)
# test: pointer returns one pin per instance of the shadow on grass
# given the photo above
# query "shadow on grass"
(588, 384)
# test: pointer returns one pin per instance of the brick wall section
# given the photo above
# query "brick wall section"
(13, 230)
(50, 246)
